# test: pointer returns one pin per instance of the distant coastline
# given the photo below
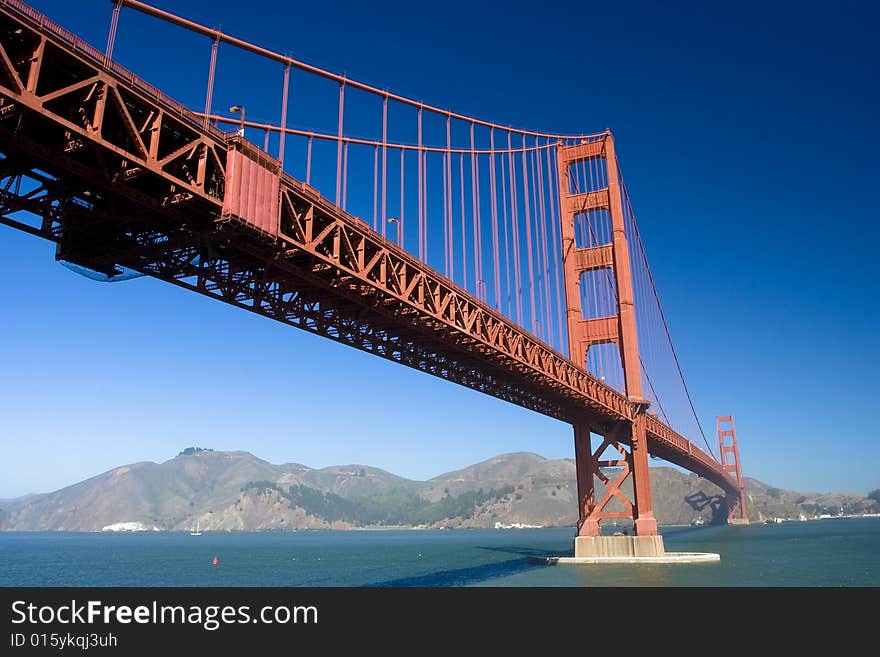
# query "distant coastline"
(239, 492)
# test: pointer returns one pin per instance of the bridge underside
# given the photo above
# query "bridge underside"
(102, 229)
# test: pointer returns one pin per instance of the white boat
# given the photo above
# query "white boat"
(195, 531)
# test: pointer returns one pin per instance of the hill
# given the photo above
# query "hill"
(236, 491)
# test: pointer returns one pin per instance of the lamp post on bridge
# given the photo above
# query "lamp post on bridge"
(481, 283)
(239, 108)
(393, 220)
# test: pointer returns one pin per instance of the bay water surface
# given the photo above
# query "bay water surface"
(831, 552)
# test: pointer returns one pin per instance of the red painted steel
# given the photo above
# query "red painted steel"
(253, 186)
(183, 202)
(730, 462)
(619, 329)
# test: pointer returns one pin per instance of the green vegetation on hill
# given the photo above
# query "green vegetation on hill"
(395, 508)
(189, 451)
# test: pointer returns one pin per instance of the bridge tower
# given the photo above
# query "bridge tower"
(577, 202)
(736, 502)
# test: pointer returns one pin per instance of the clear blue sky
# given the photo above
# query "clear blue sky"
(748, 134)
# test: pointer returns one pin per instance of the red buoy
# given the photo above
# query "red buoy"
(216, 561)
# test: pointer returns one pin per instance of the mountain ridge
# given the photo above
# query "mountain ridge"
(238, 491)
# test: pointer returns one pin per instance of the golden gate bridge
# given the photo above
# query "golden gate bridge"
(505, 260)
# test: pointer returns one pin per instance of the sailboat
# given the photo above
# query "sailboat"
(195, 531)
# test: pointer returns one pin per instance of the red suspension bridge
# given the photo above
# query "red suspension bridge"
(476, 252)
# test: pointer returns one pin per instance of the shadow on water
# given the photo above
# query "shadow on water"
(717, 503)
(474, 574)
(522, 551)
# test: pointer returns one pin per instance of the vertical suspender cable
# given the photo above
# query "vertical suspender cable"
(284, 96)
(449, 196)
(584, 184)
(375, 188)
(539, 283)
(421, 178)
(425, 201)
(517, 275)
(613, 368)
(445, 218)
(555, 239)
(504, 221)
(590, 306)
(447, 211)
(475, 202)
(546, 251)
(339, 144)
(528, 223)
(592, 181)
(402, 199)
(383, 217)
(209, 94)
(577, 175)
(463, 221)
(111, 35)
(309, 162)
(495, 252)
(345, 176)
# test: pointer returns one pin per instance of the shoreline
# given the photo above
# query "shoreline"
(394, 528)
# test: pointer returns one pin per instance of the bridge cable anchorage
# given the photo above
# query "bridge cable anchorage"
(663, 316)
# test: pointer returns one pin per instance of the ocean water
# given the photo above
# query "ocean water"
(833, 552)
